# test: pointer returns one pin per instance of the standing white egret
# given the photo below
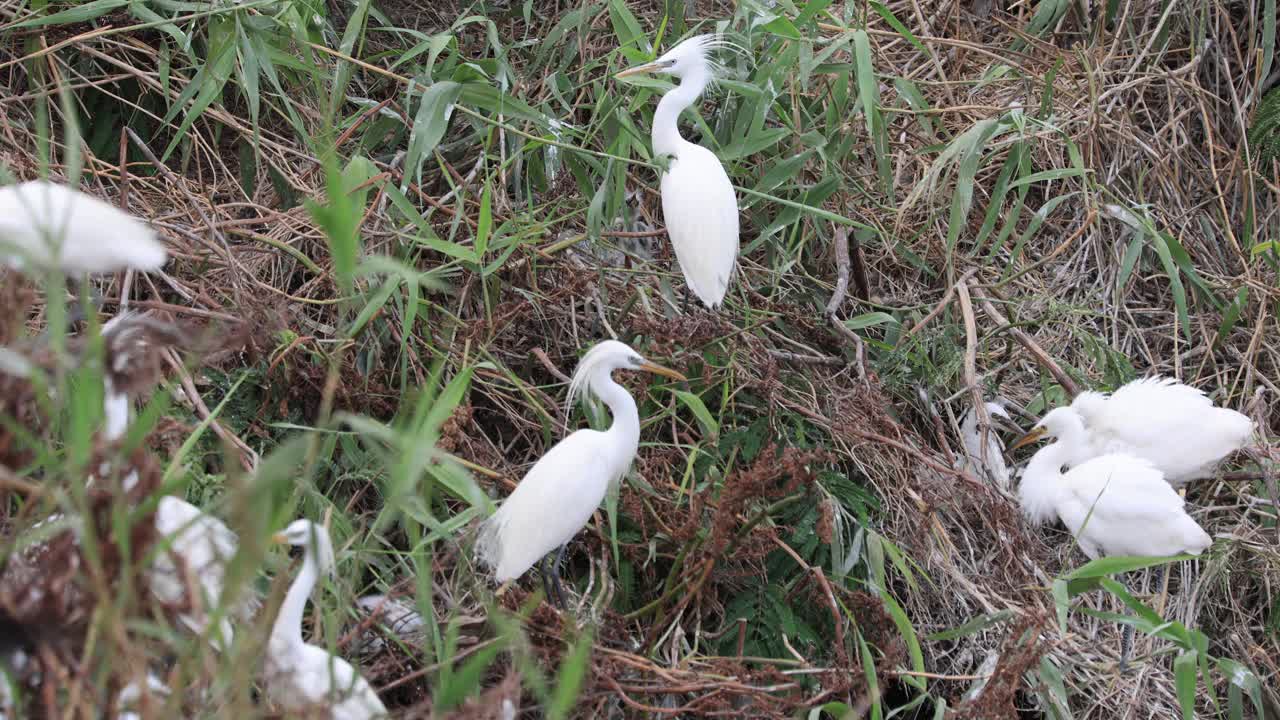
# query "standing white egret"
(302, 677)
(1114, 504)
(1174, 426)
(53, 226)
(698, 202)
(560, 492)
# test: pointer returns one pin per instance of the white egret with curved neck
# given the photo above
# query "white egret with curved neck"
(302, 677)
(698, 201)
(47, 225)
(560, 492)
(1114, 504)
(1174, 426)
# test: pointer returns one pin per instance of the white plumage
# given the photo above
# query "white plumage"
(701, 211)
(306, 678)
(193, 547)
(558, 495)
(698, 201)
(985, 459)
(193, 553)
(1174, 426)
(1114, 504)
(53, 226)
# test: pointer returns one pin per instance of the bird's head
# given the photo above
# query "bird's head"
(688, 58)
(1056, 423)
(606, 357)
(314, 538)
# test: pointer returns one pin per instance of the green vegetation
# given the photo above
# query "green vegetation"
(397, 226)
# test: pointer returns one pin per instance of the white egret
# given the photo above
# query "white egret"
(561, 491)
(1174, 426)
(53, 226)
(134, 697)
(1113, 504)
(397, 617)
(985, 459)
(302, 677)
(698, 201)
(193, 546)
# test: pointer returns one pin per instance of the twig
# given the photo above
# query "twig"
(550, 366)
(248, 458)
(971, 369)
(840, 241)
(840, 244)
(942, 305)
(1031, 345)
(10, 481)
(860, 284)
(802, 359)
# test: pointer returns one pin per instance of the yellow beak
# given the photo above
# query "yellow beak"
(659, 370)
(1034, 435)
(646, 68)
(279, 538)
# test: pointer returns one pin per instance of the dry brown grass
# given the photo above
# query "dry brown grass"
(1159, 125)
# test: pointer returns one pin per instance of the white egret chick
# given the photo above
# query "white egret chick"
(985, 458)
(1174, 426)
(698, 201)
(302, 677)
(560, 492)
(47, 225)
(1114, 504)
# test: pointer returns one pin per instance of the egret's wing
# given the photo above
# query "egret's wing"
(549, 506)
(92, 236)
(310, 678)
(701, 213)
(1173, 425)
(1123, 505)
(205, 545)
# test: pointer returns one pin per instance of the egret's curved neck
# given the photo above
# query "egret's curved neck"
(115, 406)
(1041, 482)
(288, 628)
(666, 121)
(626, 418)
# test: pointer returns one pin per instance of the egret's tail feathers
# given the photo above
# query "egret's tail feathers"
(489, 544)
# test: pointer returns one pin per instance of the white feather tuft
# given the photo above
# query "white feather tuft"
(610, 354)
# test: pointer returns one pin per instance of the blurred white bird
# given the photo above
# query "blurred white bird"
(698, 201)
(193, 547)
(1114, 504)
(1174, 426)
(397, 617)
(302, 677)
(46, 225)
(985, 459)
(130, 700)
(561, 491)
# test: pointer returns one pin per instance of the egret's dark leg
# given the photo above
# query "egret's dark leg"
(1126, 638)
(546, 580)
(1162, 582)
(684, 306)
(1126, 647)
(555, 576)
